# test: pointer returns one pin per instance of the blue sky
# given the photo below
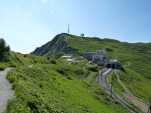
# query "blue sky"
(27, 24)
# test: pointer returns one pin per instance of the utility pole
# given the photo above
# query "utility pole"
(68, 29)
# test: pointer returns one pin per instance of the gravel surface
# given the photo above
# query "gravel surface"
(6, 91)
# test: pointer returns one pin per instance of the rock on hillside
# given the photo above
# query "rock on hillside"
(58, 45)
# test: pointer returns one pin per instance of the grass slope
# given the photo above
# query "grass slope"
(134, 56)
(17, 59)
(59, 87)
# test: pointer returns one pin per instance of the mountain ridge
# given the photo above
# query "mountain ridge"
(63, 41)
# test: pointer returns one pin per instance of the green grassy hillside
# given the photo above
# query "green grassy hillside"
(49, 84)
(134, 56)
(18, 59)
(59, 87)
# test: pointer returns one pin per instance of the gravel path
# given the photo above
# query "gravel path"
(6, 91)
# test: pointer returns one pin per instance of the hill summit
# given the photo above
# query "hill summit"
(71, 44)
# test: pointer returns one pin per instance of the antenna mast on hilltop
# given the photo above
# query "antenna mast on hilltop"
(68, 29)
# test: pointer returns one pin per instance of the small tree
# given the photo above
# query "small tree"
(4, 49)
(82, 35)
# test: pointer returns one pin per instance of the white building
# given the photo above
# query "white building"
(69, 58)
(98, 57)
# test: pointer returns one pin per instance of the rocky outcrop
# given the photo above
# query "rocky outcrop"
(57, 46)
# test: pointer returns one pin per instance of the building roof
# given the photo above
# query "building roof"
(67, 56)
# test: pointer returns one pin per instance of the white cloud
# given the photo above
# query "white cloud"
(44, 1)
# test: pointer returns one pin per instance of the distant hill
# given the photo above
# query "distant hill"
(71, 44)
(134, 56)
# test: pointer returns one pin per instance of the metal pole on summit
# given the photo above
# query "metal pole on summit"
(68, 29)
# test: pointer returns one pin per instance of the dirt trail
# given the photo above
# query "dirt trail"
(102, 80)
(6, 91)
(131, 98)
